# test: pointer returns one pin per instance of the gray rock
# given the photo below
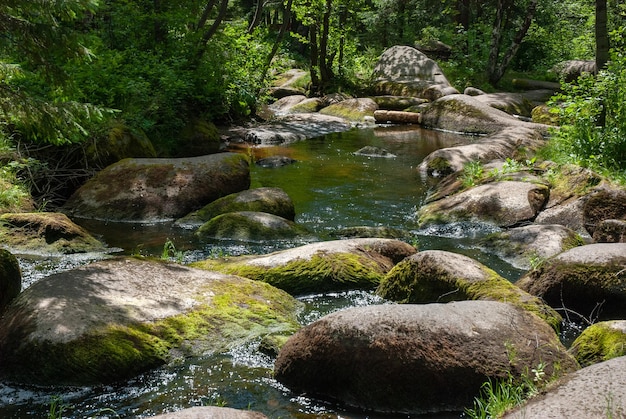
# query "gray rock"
(10, 278)
(588, 280)
(511, 103)
(505, 204)
(117, 318)
(416, 359)
(355, 110)
(295, 127)
(595, 392)
(371, 151)
(610, 231)
(572, 69)
(250, 226)
(211, 412)
(275, 161)
(152, 190)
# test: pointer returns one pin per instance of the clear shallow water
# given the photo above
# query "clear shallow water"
(332, 188)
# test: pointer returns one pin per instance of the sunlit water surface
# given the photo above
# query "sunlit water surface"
(332, 188)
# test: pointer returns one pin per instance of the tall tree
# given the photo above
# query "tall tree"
(602, 34)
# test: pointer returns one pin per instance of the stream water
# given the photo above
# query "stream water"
(332, 188)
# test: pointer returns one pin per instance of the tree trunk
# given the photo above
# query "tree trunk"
(602, 36)
(258, 12)
(325, 67)
(462, 16)
(277, 42)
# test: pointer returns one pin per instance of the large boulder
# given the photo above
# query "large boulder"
(319, 267)
(597, 392)
(589, 280)
(294, 127)
(570, 70)
(505, 203)
(511, 103)
(114, 319)
(501, 145)
(45, 233)
(600, 342)
(463, 113)
(528, 245)
(405, 71)
(604, 204)
(270, 200)
(250, 226)
(10, 278)
(438, 276)
(354, 110)
(149, 190)
(416, 359)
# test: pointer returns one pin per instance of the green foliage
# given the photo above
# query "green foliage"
(169, 252)
(472, 173)
(57, 407)
(593, 115)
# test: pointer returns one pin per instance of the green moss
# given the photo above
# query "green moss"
(245, 226)
(323, 272)
(234, 310)
(350, 110)
(409, 283)
(599, 342)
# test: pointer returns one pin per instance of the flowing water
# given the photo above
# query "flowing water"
(332, 188)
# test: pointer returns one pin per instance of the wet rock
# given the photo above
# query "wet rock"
(250, 226)
(10, 278)
(45, 233)
(371, 151)
(502, 145)
(319, 267)
(610, 231)
(528, 245)
(355, 110)
(211, 412)
(600, 342)
(275, 161)
(149, 190)
(437, 276)
(269, 200)
(504, 204)
(117, 318)
(405, 71)
(416, 359)
(587, 280)
(463, 113)
(604, 204)
(598, 391)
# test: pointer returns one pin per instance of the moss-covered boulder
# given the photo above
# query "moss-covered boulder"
(354, 110)
(199, 137)
(417, 359)
(120, 142)
(270, 200)
(10, 278)
(150, 190)
(319, 267)
(528, 245)
(604, 204)
(114, 319)
(467, 114)
(438, 276)
(250, 226)
(398, 103)
(511, 103)
(600, 342)
(45, 233)
(503, 203)
(610, 231)
(589, 280)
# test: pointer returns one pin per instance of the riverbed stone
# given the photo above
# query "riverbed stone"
(531, 244)
(10, 278)
(405, 71)
(504, 203)
(511, 103)
(610, 231)
(319, 267)
(397, 103)
(294, 127)
(438, 276)
(588, 280)
(45, 233)
(285, 104)
(354, 110)
(501, 145)
(211, 412)
(463, 113)
(117, 318)
(604, 204)
(600, 342)
(250, 226)
(152, 190)
(416, 358)
(597, 391)
(270, 200)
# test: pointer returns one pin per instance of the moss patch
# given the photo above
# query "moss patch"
(322, 273)
(599, 342)
(250, 226)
